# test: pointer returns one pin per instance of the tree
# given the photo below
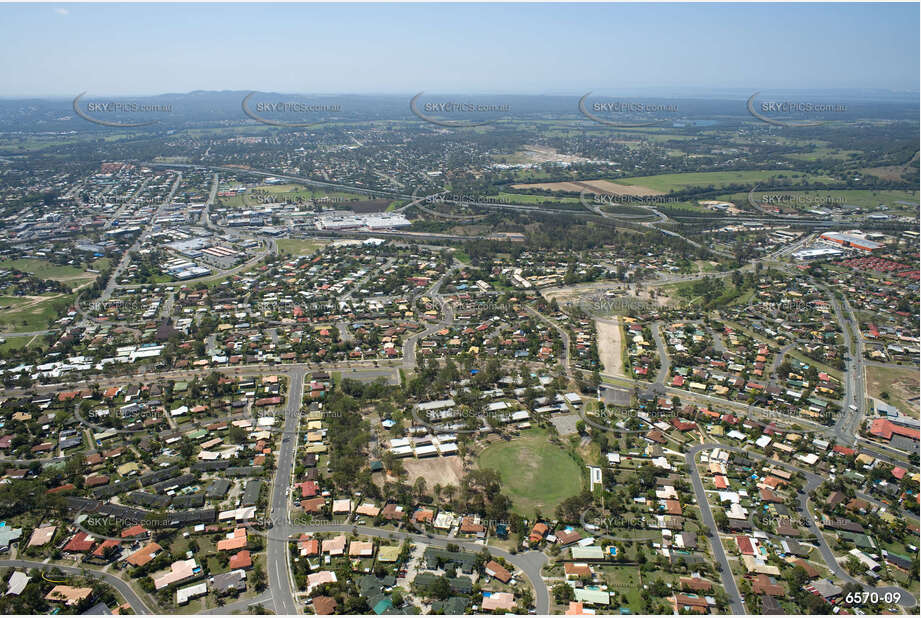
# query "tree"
(563, 593)
(419, 487)
(441, 588)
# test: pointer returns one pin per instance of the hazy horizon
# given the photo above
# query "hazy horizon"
(702, 93)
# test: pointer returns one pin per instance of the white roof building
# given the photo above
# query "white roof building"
(17, 583)
(190, 592)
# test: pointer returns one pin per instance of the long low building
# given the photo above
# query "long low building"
(816, 253)
(851, 240)
(347, 220)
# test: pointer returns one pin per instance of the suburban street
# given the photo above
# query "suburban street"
(813, 481)
(137, 604)
(706, 514)
(409, 344)
(281, 596)
(530, 562)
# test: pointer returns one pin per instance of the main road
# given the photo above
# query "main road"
(277, 554)
(112, 283)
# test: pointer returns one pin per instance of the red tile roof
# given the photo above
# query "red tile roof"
(498, 571)
(883, 428)
(745, 545)
(81, 542)
(241, 560)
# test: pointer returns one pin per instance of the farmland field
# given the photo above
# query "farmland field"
(668, 182)
(294, 191)
(597, 186)
(851, 197)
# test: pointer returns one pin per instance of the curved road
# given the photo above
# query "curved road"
(126, 591)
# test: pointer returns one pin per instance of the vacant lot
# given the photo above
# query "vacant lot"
(435, 470)
(16, 343)
(606, 298)
(536, 474)
(566, 424)
(298, 246)
(30, 313)
(44, 269)
(571, 293)
(610, 346)
(900, 384)
(294, 192)
(891, 172)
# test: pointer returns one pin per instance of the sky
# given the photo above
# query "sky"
(120, 49)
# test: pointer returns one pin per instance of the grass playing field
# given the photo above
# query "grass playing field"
(536, 474)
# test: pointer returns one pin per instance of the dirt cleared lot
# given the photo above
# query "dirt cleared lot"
(901, 385)
(569, 293)
(598, 303)
(435, 470)
(610, 340)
